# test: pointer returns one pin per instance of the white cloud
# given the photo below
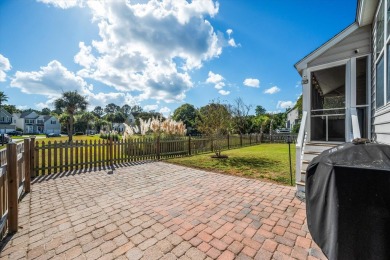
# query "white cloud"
(84, 57)
(165, 111)
(272, 90)
(22, 107)
(229, 32)
(4, 66)
(150, 47)
(216, 79)
(63, 4)
(285, 104)
(254, 83)
(150, 107)
(224, 92)
(51, 80)
(232, 43)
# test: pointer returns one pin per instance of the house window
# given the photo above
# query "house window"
(53, 122)
(382, 53)
(29, 121)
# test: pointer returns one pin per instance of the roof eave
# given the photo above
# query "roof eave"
(302, 64)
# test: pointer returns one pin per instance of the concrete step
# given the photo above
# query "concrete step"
(309, 156)
(305, 163)
(303, 176)
(300, 186)
(317, 148)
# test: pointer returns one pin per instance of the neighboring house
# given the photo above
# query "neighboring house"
(346, 84)
(120, 127)
(33, 123)
(292, 118)
(6, 122)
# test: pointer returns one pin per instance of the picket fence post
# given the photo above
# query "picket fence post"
(12, 165)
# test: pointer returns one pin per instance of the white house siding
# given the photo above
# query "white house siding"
(52, 128)
(345, 49)
(380, 118)
(292, 116)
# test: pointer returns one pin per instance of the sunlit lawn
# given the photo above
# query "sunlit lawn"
(42, 138)
(265, 161)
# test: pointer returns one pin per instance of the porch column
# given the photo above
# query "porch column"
(350, 89)
(306, 99)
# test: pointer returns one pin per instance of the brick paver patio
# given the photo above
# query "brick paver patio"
(160, 211)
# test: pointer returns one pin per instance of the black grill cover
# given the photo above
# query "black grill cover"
(348, 201)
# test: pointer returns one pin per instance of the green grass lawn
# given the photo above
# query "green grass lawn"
(265, 161)
(41, 138)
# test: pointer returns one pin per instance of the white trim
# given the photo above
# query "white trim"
(302, 64)
(349, 74)
(328, 65)
(368, 94)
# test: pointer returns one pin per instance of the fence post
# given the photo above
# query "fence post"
(212, 144)
(12, 165)
(250, 139)
(240, 139)
(27, 173)
(32, 156)
(158, 147)
(111, 152)
(228, 141)
(189, 144)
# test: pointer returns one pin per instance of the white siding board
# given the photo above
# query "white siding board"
(359, 39)
(383, 138)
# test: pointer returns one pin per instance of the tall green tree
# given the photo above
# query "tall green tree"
(45, 111)
(64, 120)
(126, 109)
(240, 111)
(187, 114)
(71, 102)
(88, 117)
(112, 108)
(213, 119)
(260, 110)
(11, 108)
(3, 98)
(98, 111)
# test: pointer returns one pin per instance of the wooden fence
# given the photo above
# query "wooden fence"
(278, 138)
(53, 157)
(14, 181)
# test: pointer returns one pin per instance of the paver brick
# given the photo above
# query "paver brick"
(165, 246)
(226, 255)
(218, 244)
(181, 248)
(145, 211)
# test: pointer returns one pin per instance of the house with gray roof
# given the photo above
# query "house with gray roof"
(6, 121)
(33, 123)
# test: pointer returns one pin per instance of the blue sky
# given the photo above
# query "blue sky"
(161, 54)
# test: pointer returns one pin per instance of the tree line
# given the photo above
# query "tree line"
(215, 118)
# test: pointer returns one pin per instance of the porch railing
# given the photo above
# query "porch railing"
(300, 147)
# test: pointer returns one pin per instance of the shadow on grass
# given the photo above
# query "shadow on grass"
(247, 162)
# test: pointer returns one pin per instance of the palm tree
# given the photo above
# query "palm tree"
(88, 117)
(71, 102)
(3, 97)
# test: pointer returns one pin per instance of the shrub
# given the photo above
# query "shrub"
(115, 137)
